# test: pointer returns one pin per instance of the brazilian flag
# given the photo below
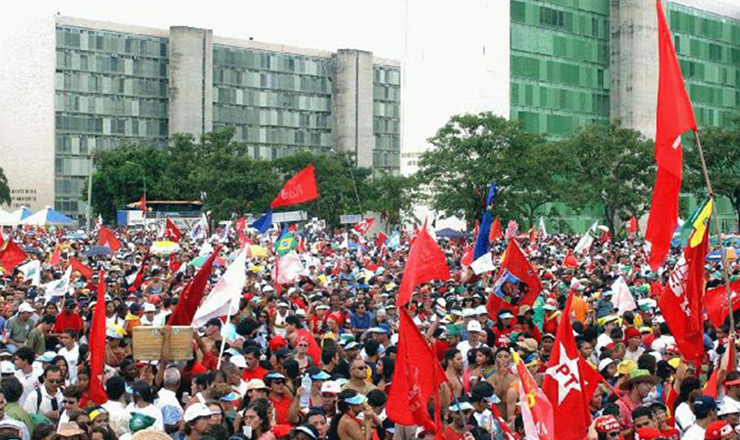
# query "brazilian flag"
(285, 244)
(697, 225)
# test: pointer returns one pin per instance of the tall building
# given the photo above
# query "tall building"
(82, 85)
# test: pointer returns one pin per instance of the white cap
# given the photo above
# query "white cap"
(25, 307)
(7, 367)
(605, 363)
(331, 386)
(239, 361)
(197, 410)
(481, 310)
(149, 307)
(300, 312)
(474, 326)
(468, 312)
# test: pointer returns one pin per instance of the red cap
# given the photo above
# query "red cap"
(276, 343)
(607, 424)
(631, 332)
(647, 434)
(717, 430)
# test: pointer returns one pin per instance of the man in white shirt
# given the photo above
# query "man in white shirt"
(167, 400)
(475, 332)
(47, 399)
(71, 352)
(143, 404)
(663, 339)
(149, 318)
(604, 339)
(705, 409)
(118, 417)
(25, 372)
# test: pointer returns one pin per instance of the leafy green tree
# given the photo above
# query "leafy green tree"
(4, 188)
(390, 196)
(473, 150)
(607, 166)
(721, 148)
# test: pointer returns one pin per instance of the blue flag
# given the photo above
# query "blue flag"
(263, 223)
(482, 245)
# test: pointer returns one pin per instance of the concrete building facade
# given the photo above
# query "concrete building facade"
(82, 85)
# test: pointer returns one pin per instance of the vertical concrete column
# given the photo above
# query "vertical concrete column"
(190, 80)
(352, 103)
(634, 64)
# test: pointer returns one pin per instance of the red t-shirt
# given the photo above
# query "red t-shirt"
(670, 434)
(282, 408)
(66, 321)
(451, 434)
(257, 373)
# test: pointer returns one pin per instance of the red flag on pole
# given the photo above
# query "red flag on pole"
(570, 261)
(300, 188)
(426, 262)
(139, 275)
(496, 231)
(416, 378)
(142, 204)
(192, 294)
(633, 227)
(56, 258)
(77, 266)
(380, 240)
(171, 231)
(11, 255)
(363, 225)
(537, 413)
(107, 238)
(517, 283)
(715, 301)
(681, 300)
(97, 346)
(564, 385)
(674, 117)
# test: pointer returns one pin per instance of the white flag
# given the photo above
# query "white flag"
(32, 271)
(207, 249)
(622, 297)
(542, 234)
(290, 268)
(587, 240)
(484, 263)
(59, 287)
(224, 298)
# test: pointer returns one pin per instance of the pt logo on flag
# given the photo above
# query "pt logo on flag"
(566, 374)
(292, 193)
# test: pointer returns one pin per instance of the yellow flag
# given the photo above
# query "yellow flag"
(701, 224)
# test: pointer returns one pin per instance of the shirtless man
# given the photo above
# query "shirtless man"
(454, 371)
(503, 379)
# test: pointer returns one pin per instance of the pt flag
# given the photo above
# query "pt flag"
(416, 378)
(192, 294)
(564, 383)
(517, 283)
(97, 346)
(107, 238)
(226, 294)
(300, 188)
(675, 116)
(537, 413)
(363, 225)
(426, 262)
(681, 301)
(172, 232)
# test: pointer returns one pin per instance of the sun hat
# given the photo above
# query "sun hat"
(638, 376)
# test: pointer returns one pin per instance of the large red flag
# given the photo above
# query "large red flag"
(171, 231)
(192, 294)
(496, 231)
(97, 346)
(681, 300)
(11, 255)
(517, 283)
(537, 413)
(715, 301)
(564, 384)
(77, 266)
(380, 240)
(300, 188)
(426, 262)
(416, 378)
(674, 117)
(107, 238)
(633, 227)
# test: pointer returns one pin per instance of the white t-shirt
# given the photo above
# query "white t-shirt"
(72, 356)
(29, 381)
(465, 347)
(684, 417)
(149, 410)
(171, 409)
(696, 432)
(33, 407)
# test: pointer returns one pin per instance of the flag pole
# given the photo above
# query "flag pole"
(723, 252)
(223, 340)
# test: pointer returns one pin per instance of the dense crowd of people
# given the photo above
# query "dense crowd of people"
(314, 359)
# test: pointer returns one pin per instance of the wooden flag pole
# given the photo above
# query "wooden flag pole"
(723, 252)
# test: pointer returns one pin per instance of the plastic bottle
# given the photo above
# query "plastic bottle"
(305, 401)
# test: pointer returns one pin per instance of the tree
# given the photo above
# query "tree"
(390, 196)
(607, 166)
(721, 148)
(473, 150)
(4, 188)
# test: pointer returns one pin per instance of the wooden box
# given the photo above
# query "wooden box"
(147, 343)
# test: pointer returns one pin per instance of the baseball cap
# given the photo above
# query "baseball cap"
(149, 308)
(474, 326)
(607, 424)
(239, 361)
(605, 363)
(309, 430)
(196, 410)
(25, 308)
(460, 406)
(718, 429)
(320, 375)
(330, 387)
(703, 405)
(7, 367)
(256, 384)
(725, 408)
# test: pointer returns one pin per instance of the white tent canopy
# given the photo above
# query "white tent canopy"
(48, 217)
(14, 218)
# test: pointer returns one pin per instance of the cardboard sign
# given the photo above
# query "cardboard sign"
(148, 340)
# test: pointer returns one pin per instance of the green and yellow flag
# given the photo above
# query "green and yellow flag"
(285, 244)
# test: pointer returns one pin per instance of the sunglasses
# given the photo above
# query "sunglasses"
(69, 402)
(278, 382)
(55, 380)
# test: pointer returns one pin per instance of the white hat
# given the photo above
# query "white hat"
(605, 363)
(149, 307)
(239, 361)
(468, 312)
(268, 288)
(726, 408)
(256, 384)
(481, 310)
(197, 410)
(330, 386)
(7, 367)
(282, 304)
(25, 308)
(300, 312)
(474, 326)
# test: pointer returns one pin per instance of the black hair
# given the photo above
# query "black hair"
(377, 397)
(647, 362)
(328, 355)
(48, 319)
(371, 347)
(144, 390)
(12, 388)
(293, 320)
(291, 368)
(641, 411)
(51, 369)
(450, 355)
(115, 387)
(26, 353)
(389, 366)
(213, 321)
(688, 385)
(259, 406)
(342, 407)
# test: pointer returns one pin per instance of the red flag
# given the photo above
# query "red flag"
(727, 363)
(300, 188)
(591, 378)
(56, 258)
(517, 283)
(416, 378)
(537, 413)
(171, 231)
(715, 301)
(380, 240)
(142, 204)
(11, 255)
(425, 263)
(192, 294)
(570, 261)
(77, 266)
(139, 275)
(633, 227)
(496, 231)
(363, 225)
(564, 385)
(467, 258)
(674, 117)
(174, 264)
(681, 300)
(97, 346)
(107, 238)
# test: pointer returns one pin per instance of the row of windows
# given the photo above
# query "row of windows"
(539, 95)
(715, 96)
(387, 75)
(93, 83)
(68, 206)
(687, 46)
(386, 109)
(111, 105)
(69, 186)
(258, 98)
(263, 60)
(386, 159)
(710, 73)
(386, 92)
(577, 21)
(256, 116)
(71, 166)
(553, 124)
(111, 126)
(271, 80)
(388, 142)
(283, 136)
(111, 64)
(711, 28)
(113, 42)
(551, 43)
(555, 72)
(714, 116)
(386, 125)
